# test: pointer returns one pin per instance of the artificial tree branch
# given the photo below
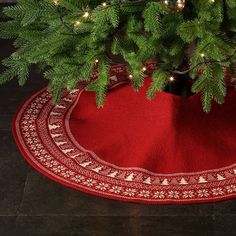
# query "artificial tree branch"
(203, 63)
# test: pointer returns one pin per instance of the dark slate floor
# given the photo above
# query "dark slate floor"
(31, 204)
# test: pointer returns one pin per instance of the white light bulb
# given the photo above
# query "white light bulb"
(86, 14)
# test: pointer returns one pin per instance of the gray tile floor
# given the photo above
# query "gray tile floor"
(31, 204)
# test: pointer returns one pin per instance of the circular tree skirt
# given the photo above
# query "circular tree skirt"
(162, 151)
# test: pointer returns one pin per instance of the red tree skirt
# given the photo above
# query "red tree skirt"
(162, 151)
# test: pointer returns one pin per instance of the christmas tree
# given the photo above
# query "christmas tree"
(68, 39)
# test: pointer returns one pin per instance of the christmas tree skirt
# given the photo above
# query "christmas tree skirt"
(162, 151)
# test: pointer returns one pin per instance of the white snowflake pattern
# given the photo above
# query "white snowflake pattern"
(144, 193)
(67, 173)
(42, 151)
(26, 117)
(36, 153)
(159, 194)
(130, 192)
(27, 122)
(78, 178)
(39, 100)
(58, 169)
(90, 182)
(188, 194)
(102, 186)
(173, 194)
(48, 164)
(231, 188)
(27, 134)
(31, 134)
(115, 189)
(217, 191)
(31, 110)
(203, 193)
(44, 158)
(36, 146)
(29, 140)
(30, 127)
(51, 163)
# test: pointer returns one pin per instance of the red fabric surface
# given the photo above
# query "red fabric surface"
(165, 151)
(166, 135)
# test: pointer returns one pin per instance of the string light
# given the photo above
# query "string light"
(144, 69)
(77, 23)
(180, 4)
(202, 55)
(172, 78)
(96, 61)
(175, 5)
(131, 76)
(104, 4)
(86, 14)
(56, 2)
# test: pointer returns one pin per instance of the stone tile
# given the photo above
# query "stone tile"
(116, 226)
(7, 226)
(225, 208)
(176, 210)
(74, 202)
(5, 122)
(224, 225)
(13, 174)
(6, 142)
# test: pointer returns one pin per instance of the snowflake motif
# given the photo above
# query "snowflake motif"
(90, 182)
(43, 158)
(40, 100)
(31, 110)
(217, 191)
(203, 193)
(115, 189)
(51, 163)
(130, 192)
(37, 146)
(58, 169)
(67, 173)
(159, 194)
(77, 178)
(37, 153)
(28, 128)
(39, 106)
(102, 186)
(30, 118)
(144, 193)
(231, 188)
(188, 194)
(42, 151)
(27, 134)
(27, 122)
(43, 100)
(31, 134)
(29, 141)
(26, 117)
(173, 194)
(33, 105)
